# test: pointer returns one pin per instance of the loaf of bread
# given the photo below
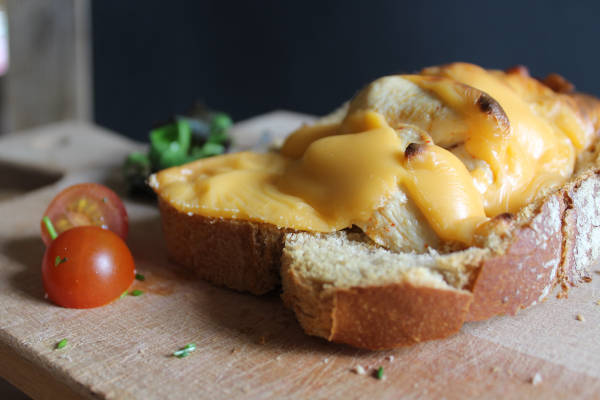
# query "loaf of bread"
(393, 279)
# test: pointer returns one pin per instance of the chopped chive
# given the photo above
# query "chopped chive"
(58, 260)
(379, 373)
(136, 292)
(123, 294)
(49, 227)
(140, 277)
(61, 344)
(185, 351)
(190, 346)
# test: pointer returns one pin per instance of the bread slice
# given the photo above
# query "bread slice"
(346, 287)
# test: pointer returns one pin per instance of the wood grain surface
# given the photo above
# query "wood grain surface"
(248, 346)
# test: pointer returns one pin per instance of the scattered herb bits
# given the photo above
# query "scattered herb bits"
(379, 373)
(140, 277)
(59, 260)
(61, 344)
(185, 351)
(136, 292)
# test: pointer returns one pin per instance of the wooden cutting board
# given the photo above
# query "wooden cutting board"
(248, 347)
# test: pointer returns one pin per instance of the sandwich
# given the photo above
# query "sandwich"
(426, 201)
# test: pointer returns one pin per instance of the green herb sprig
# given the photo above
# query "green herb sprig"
(187, 138)
(379, 373)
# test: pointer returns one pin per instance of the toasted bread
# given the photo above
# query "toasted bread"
(378, 288)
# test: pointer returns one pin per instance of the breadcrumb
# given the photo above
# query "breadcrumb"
(537, 379)
(359, 370)
(579, 317)
(390, 358)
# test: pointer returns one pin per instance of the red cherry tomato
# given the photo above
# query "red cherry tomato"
(87, 267)
(87, 204)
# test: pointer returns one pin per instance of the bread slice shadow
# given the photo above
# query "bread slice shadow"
(263, 322)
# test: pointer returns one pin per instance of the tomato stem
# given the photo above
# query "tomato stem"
(49, 227)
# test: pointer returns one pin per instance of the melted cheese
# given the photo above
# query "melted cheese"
(329, 177)
(538, 149)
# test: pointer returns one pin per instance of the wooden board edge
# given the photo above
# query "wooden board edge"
(36, 381)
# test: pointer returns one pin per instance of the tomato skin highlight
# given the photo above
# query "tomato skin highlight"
(86, 267)
(87, 204)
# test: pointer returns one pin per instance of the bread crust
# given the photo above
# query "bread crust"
(375, 317)
(526, 270)
(555, 246)
(241, 255)
(397, 315)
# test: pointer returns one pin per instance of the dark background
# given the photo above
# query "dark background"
(156, 58)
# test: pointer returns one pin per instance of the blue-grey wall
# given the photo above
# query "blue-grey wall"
(155, 58)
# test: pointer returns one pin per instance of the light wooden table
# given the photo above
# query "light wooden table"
(248, 347)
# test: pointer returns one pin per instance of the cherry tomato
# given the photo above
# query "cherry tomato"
(87, 267)
(87, 204)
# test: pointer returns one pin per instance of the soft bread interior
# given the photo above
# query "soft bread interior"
(345, 260)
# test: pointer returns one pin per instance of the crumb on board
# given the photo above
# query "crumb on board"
(496, 369)
(536, 379)
(598, 302)
(580, 317)
(234, 350)
(587, 279)
(278, 358)
(390, 358)
(325, 360)
(359, 370)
